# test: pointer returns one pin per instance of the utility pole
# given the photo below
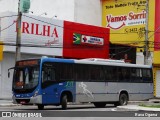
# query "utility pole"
(146, 46)
(23, 7)
(18, 39)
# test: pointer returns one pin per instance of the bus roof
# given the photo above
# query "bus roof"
(95, 61)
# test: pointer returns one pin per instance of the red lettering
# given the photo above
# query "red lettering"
(136, 16)
(54, 34)
(37, 30)
(25, 27)
(46, 30)
(111, 18)
(32, 28)
(108, 18)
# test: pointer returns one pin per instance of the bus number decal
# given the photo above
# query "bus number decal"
(69, 84)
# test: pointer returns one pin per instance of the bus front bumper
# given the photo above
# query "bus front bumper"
(28, 101)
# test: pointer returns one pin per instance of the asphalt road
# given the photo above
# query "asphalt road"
(82, 107)
(79, 112)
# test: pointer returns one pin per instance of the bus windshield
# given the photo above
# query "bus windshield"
(25, 77)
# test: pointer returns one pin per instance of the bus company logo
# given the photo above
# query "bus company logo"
(117, 22)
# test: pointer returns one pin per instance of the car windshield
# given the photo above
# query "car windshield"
(26, 77)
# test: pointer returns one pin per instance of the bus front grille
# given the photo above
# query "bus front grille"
(22, 101)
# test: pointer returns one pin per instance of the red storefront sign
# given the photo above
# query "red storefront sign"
(157, 26)
(93, 41)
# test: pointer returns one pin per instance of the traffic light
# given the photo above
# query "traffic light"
(24, 6)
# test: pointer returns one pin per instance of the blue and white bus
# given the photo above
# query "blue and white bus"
(56, 81)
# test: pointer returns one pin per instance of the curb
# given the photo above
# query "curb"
(8, 105)
(139, 102)
(136, 107)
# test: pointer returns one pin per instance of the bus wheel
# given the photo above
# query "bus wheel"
(40, 107)
(123, 99)
(64, 101)
(99, 104)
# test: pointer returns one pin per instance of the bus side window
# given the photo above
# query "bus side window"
(133, 75)
(66, 71)
(146, 74)
(124, 74)
(110, 73)
(48, 74)
(136, 75)
(82, 72)
(96, 73)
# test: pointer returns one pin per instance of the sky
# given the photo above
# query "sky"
(45, 8)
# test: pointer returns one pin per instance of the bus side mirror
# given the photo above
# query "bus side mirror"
(8, 74)
(9, 71)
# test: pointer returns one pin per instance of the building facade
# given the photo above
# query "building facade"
(127, 22)
(42, 36)
(125, 19)
(82, 11)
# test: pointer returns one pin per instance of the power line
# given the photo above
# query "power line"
(8, 16)
(7, 27)
(60, 46)
(10, 24)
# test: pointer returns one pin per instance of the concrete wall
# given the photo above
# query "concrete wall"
(88, 11)
(5, 82)
(140, 58)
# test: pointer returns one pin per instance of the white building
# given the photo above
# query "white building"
(83, 11)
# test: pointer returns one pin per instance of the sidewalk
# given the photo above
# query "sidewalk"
(6, 103)
(137, 107)
(134, 105)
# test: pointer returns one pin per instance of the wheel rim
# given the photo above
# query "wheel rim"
(123, 99)
(64, 102)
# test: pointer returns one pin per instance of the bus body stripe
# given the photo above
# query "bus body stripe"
(58, 60)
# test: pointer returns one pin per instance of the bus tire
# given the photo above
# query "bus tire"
(64, 101)
(99, 104)
(123, 99)
(40, 107)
